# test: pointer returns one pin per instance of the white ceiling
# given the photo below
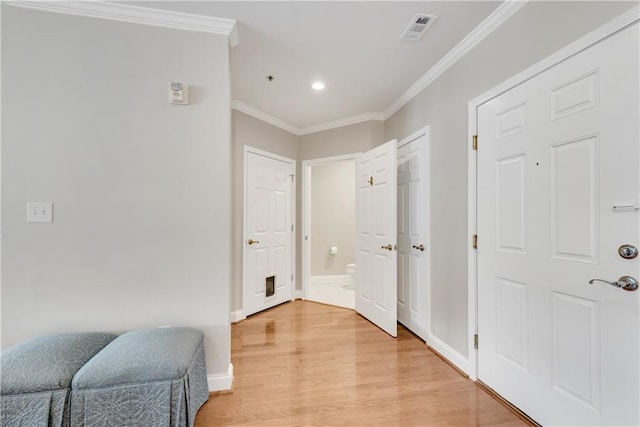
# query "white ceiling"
(353, 46)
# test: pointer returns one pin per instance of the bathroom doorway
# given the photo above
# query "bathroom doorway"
(329, 230)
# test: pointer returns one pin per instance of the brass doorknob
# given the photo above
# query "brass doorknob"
(420, 248)
(251, 241)
(388, 247)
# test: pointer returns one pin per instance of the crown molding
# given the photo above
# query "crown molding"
(486, 27)
(365, 117)
(268, 118)
(137, 15)
(261, 115)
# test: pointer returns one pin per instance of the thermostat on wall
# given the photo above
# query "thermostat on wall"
(178, 93)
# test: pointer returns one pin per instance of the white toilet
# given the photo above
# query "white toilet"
(351, 271)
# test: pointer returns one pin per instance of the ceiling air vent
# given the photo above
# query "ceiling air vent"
(418, 26)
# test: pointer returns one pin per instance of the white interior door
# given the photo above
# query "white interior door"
(268, 272)
(376, 265)
(555, 155)
(413, 241)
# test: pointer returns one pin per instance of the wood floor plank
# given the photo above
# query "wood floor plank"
(309, 364)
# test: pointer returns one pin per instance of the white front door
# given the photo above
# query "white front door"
(268, 271)
(376, 262)
(558, 192)
(413, 242)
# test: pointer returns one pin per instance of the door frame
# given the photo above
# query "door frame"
(248, 149)
(305, 236)
(606, 30)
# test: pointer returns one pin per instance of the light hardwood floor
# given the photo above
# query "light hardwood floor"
(304, 363)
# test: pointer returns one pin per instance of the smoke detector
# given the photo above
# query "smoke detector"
(418, 26)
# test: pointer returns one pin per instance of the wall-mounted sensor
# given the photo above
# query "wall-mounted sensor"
(178, 93)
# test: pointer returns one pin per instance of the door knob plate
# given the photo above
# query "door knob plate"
(628, 251)
(628, 283)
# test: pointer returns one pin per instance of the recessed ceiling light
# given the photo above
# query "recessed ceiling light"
(318, 85)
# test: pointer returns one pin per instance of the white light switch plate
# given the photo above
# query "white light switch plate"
(39, 212)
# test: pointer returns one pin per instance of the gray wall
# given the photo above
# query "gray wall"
(350, 139)
(141, 188)
(533, 33)
(248, 130)
(332, 217)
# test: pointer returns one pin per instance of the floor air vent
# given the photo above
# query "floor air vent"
(418, 26)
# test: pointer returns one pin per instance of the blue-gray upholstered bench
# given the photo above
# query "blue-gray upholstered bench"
(36, 376)
(149, 377)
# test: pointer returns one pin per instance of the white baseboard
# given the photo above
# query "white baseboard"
(236, 316)
(450, 354)
(219, 382)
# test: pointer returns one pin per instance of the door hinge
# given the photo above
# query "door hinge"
(292, 281)
(292, 176)
(474, 241)
(475, 142)
(371, 181)
(291, 227)
(475, 342)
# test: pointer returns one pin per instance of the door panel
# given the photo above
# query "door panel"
(575, 358)
(269, 221)
(573, 187)
(413, 217)
(553, 160)
(376, 265)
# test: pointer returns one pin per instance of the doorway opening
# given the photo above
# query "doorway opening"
(329, 230)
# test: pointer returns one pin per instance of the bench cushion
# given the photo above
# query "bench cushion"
(144, 355)
(49, 362)
(35, 376)
(143, 378)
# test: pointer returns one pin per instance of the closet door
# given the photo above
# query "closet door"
(268, 242)
(413, 228)
(376, 289)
